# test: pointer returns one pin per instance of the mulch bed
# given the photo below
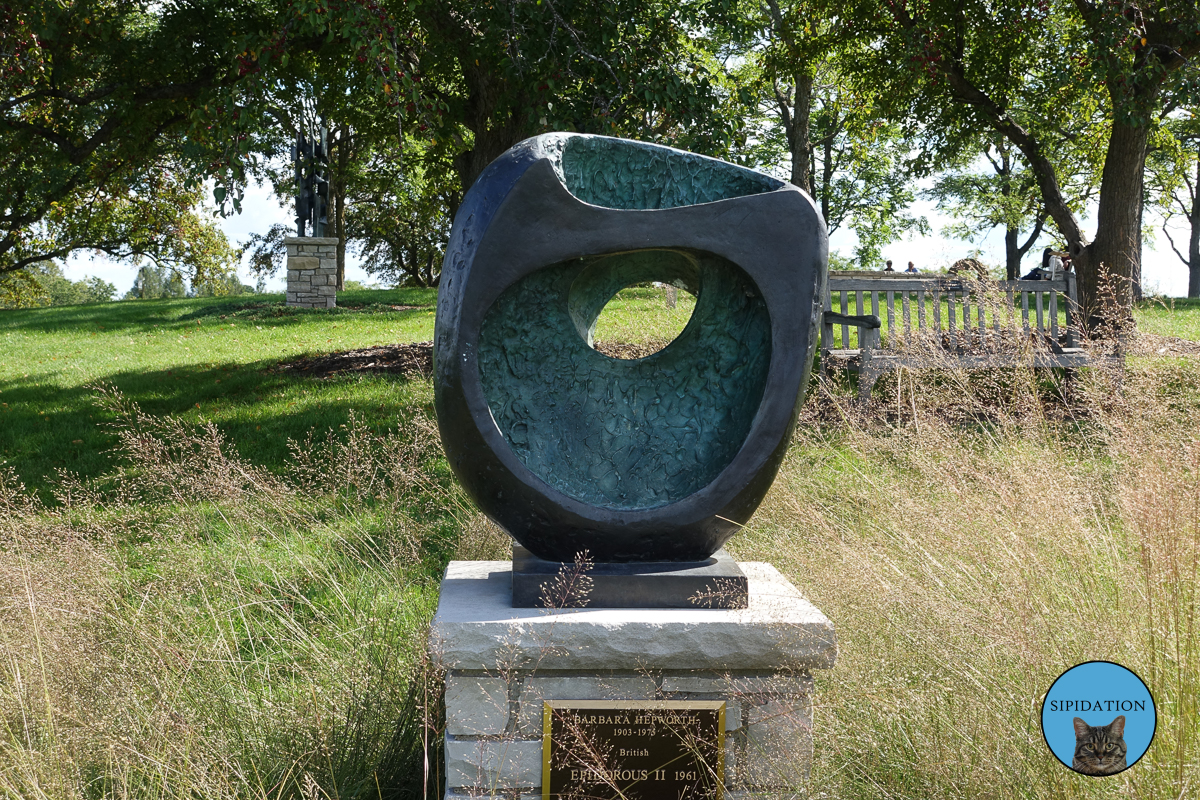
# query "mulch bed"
(1150, 344)
(397, 359)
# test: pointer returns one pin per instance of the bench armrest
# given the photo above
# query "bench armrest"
(865, 321)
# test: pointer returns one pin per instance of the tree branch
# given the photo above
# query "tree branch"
(968, 93)
(1186, 263)
(1033, 237)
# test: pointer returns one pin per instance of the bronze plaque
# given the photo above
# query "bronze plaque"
(633, 750)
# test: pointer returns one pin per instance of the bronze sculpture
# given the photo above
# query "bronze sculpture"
(655, 460)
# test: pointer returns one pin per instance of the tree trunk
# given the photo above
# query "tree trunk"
(1194, 241)
(1118, 228)
(431, 279)
(340, 210)
(1012, 250)
(495, 131)
(1012, 253)
(1016, 253)
(798, 136)
(826, 176)
(1136, 282)
(1194, 253)
(796, 123)
(339, 202)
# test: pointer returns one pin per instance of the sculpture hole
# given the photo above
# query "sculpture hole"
(642, 319)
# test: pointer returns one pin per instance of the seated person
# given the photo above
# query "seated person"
(1052, 266)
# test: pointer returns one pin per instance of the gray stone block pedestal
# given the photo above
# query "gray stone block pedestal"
(503, 662)
(311, 271)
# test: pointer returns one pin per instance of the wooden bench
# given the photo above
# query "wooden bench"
(917, 321)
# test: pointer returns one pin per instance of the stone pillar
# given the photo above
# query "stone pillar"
(311, 271)
(503, 662)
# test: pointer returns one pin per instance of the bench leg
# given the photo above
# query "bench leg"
(867, 376)
(1070, 384)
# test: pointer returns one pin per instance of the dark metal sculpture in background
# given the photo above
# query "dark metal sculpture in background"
(311, 158)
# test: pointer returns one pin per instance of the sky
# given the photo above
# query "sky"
(1162, 271)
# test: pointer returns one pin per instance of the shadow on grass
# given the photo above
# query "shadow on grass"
(45, 429)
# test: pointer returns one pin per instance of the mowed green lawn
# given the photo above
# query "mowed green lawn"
(203, 358)
(1170, 318)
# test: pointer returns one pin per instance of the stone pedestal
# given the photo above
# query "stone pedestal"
(311, 271)
(503, 662)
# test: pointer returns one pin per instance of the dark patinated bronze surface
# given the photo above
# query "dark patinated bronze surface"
(631, 750)
(715, 582)
(661, 458)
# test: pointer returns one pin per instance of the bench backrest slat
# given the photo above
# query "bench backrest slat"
(854, 288)
(845, 328)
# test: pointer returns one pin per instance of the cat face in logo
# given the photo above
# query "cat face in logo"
(1099, 750)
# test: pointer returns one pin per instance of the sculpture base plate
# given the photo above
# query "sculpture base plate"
(717, 582)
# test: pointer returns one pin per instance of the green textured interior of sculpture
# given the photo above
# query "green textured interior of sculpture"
(625, 434)
(618, 173)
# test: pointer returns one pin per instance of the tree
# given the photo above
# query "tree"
(396, 216)
(324, 100)
(399, 217)
(1006, 197)
(98, 290)
(841, 149)
(864, 180)
(493, 74)
(154, 282)
(473, 80)
(103, 97)
(44, 284)
(1174, 186)
(94, 94)
(160, 219)
(1188, 201)
(1024, 71)
(20, 289)
(220, 286)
